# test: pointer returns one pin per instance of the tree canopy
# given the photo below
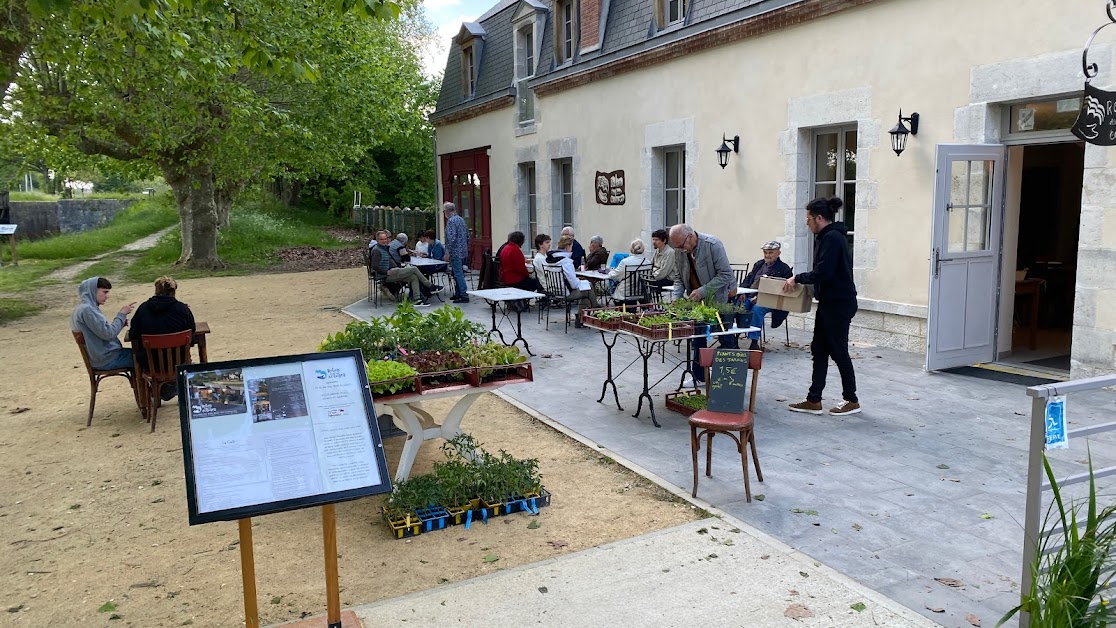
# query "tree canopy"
(217, 94)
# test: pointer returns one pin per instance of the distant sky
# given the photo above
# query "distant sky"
(447, 16)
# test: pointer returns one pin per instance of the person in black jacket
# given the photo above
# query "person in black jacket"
(770, 266)
(161, 314)
(832, 278)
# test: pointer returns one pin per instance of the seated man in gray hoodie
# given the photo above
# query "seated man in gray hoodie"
(101, 342)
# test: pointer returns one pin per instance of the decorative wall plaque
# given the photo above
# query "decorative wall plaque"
(610, 187)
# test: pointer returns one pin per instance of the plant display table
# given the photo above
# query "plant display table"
(648, 337)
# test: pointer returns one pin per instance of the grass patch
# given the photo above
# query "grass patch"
(15, 309)
(256, 233)
(141, 219)
(29, 275)
(32, 196)
(109, 267)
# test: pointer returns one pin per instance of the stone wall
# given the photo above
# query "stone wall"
(37, 219)
(904, 332)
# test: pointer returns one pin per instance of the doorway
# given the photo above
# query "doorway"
(465, 182)
(1040, 292)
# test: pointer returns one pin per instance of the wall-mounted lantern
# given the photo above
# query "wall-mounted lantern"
(900, 132)
(724, 150)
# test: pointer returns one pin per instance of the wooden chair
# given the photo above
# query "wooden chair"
(164, 353)
(96, 375)
(738, 427)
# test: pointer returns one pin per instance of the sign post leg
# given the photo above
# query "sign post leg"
(12, 244)
(248, 572)
(333, 595)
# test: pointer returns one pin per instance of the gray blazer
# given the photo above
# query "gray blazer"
(713, 269)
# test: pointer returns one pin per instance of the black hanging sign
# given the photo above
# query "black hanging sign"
(1096, 124)
(610, 187)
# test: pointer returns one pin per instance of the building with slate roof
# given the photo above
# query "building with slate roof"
(989, 237)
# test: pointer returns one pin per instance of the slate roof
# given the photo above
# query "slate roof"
(629, 25)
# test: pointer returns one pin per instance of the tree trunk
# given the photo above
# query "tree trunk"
(194, 192)
(224, 198)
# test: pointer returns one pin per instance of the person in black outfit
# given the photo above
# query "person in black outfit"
(161, 314)
(835, 291)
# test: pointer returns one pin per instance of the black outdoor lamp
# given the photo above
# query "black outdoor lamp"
(724, 150)
(900, 132)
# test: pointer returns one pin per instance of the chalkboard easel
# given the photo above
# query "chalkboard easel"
(728, 381)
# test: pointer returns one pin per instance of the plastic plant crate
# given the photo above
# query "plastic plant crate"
(433, 518)
(410, 387)
(672, 403)
(507, 373)
(402, 527)
(438, 381)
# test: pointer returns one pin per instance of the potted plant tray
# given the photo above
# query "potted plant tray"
(529, 503)
(433, 518)
(506, 373)
(683, 401)
(408, 388)
(439, 381)
(402, 525)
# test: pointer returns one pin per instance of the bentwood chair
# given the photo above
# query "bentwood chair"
(164, 353)
(738, 427)
(96, 375)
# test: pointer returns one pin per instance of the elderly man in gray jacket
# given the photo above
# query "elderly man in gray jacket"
(704, 269)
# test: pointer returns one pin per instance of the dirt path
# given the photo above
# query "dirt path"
(98, 515)
(69, 272)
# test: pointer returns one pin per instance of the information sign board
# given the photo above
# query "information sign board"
(7, 229)
(267, 435)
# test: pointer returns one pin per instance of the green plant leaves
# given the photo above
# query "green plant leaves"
(107, 607)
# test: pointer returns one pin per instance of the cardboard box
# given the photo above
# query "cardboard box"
(771, 295)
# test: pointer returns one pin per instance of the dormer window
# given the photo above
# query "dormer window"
(471, 41)
(468, 71)
(566, 37)
(525, 57)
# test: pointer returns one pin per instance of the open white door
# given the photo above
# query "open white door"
(965, 259)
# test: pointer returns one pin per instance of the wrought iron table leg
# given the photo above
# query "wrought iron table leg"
(646, 349)
(495, 328)
(519, 332)
(610, 380)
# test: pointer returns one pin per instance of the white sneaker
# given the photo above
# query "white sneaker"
(688, 382)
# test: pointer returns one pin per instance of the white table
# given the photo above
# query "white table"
(426, 262)
(592, 275)
(496, 296)
(746, 291)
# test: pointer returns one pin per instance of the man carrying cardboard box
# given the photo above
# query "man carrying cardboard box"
(832, 278)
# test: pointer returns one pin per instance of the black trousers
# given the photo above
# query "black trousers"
(831, 340)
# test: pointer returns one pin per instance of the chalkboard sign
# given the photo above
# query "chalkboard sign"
(728, 381)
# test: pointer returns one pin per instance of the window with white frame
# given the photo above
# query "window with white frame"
(567, 27)
(468, 71)
(527, 172)
(564, 172)
(674, 11)
(835, 171)
(524, 69)
(674, 186)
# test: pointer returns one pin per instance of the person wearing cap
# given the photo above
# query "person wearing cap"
(770, 266)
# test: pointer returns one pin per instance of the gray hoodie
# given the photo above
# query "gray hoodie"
(100, 336)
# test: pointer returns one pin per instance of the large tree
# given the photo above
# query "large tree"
(213, 94)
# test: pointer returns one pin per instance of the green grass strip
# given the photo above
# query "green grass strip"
(140, 219)
(15, 309)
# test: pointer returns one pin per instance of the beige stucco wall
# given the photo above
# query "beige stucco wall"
(858, 67)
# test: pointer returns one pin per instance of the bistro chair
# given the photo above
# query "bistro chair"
(741, 272)
(96, 375)
(738, 427)
(164, 353)
(377, 286)
(557, 293)
(636, 285)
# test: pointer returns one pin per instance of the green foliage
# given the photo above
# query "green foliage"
(374, 338)
(1068, 584)
(138, 220)
(443, 329)
(417, 492)
(696, 402)
(607, 315)
(386, 377)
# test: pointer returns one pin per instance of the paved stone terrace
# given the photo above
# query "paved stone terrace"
(893, 497)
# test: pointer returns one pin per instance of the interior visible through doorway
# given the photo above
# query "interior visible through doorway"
(1046, 256)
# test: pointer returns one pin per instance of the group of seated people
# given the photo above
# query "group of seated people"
(665, 268)
(161, 314)
(389, 257)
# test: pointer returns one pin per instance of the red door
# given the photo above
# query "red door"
(465, 183)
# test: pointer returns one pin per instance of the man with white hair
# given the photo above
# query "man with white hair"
(769, 266)
(398, 248)
(457, 249)
(578, 250)
(705, 272)
(598, 254)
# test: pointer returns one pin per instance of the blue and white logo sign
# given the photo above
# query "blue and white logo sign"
(1056, 435)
